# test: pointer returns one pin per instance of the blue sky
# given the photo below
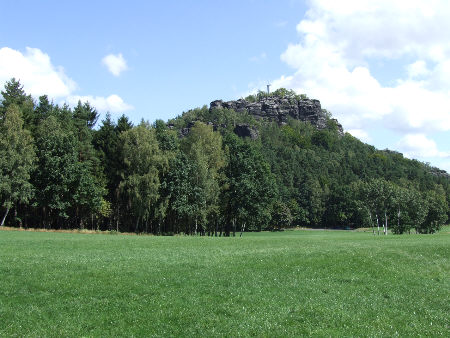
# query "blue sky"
(382, 68)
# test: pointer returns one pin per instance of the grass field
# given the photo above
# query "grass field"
(326, 283)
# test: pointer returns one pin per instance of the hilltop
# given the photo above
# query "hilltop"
(279, 109)
(264, 162)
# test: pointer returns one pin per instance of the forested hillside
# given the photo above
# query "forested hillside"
(216, 171)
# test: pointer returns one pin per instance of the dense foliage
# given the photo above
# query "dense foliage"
(193, 175)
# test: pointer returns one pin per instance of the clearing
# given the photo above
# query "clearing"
(328, 283)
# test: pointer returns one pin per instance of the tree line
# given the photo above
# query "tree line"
(59, 170)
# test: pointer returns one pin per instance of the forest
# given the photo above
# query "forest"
(61, 168)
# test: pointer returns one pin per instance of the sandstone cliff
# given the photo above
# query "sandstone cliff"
(279, 109)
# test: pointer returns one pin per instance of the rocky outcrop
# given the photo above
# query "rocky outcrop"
(280, 109)
(275, 109)
(244, 130)
(439, 173)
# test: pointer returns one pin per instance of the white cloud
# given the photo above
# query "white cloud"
(259, 58)
(339, 40)
(116, 64)
(418, 68)
(337, 60)
(281, 24)
(39, 76)
(445, 165)
(420, 146)
(35, 72)
(382, 28)
(112, 103)
(361, 134)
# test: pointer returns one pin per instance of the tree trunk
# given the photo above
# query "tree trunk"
(242, 230)
(378, 225)
(15, 217)
(4, 217)
(386, 221)
(371, 223)
(118, 217)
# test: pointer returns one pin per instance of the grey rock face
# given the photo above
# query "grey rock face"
(244, 130)
(280, 109)
(439, 173)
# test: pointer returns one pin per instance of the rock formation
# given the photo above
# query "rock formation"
(244, 130)
(274, 109)
(280, 109)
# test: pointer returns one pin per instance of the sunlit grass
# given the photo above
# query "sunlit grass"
(329, 283)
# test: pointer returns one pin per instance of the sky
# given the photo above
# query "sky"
(382, 68)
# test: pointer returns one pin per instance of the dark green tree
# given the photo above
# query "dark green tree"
(13, 94)
(250, 187)
(281, 216)
(56, 174)
(144, 161)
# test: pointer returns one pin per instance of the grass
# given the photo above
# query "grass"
(325, 283)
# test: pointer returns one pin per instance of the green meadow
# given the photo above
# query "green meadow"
(291, 283)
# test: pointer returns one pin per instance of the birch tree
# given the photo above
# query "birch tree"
(17, 158)
(203, 147)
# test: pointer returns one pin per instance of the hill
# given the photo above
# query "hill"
(317, 166)
(266, 162)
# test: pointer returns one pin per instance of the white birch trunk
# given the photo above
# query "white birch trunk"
(371, 224)
(386, 221)
(378, 225)
(242, 230)
(4, 217)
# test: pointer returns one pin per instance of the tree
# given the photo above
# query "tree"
(15, 95)
(143, 160)
(436, 216)
(342, 208)
(281, 216)
(312, 201)
(167, 139)
(12, 95)
(402, 199)
(203, 148)
(106, 142)
(417, 210)
(377, 195)
(183, 196)
(56, 174)
(250, 187)
(85, 114)
(322, 139)
(17, 158)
